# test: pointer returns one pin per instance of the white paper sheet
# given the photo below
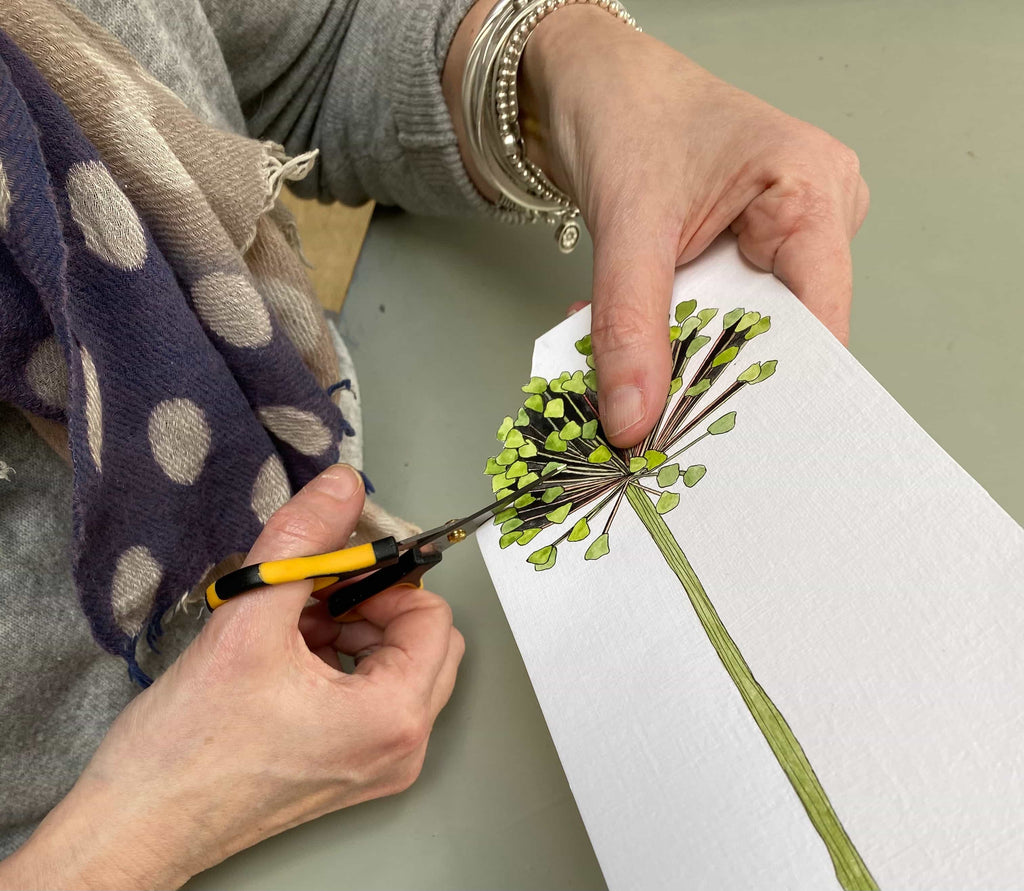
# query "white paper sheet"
(874, 588)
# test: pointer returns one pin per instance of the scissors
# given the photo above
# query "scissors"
(383, 563)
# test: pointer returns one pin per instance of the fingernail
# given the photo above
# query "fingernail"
(621, 409)
(340, 481)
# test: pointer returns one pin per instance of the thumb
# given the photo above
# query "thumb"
(633, 273)
(319, 518)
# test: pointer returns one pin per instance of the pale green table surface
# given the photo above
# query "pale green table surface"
(442, 317)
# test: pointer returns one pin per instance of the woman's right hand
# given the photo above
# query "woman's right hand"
(255, 728)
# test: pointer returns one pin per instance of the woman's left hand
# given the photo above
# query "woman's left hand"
(662, 156)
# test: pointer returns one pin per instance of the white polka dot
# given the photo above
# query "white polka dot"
(133, 589)
(109, 223)
(5, 198)
(179, 438)
(301, 429)
(231, 307)
(93, 409)
(271, 488)
(47, 373)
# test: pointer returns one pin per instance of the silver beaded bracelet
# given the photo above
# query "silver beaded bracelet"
(491, 111)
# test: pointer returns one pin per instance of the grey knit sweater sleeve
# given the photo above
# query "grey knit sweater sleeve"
(361, 81)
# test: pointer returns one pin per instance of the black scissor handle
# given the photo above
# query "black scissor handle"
(408, 570)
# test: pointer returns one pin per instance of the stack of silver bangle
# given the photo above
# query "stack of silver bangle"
(490, 109)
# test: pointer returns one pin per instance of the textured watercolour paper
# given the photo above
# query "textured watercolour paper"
(787, 657)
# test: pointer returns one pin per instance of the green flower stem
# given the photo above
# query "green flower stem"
(850, 869)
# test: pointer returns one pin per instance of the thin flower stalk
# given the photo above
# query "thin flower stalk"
(558, 424)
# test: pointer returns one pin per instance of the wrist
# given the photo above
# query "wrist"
(126, 824)
(96, 838)
(553, 75)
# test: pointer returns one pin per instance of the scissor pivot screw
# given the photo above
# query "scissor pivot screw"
(457, 535)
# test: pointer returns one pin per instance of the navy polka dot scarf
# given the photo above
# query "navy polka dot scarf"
(190, 412)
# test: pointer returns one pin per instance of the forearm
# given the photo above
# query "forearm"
(98, 837)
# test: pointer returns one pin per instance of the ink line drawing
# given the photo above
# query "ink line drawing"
(558, 423)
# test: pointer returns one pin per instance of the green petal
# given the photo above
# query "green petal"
(559, 513)
(598, 549)
(694, 474)
(524, 501)
(576, 384)
(700, 387)
(493, 467)
(667, 501)
(580, 531)
(731, 318)
(552, 467)
(750, 374)
(654, 458)
(685, 309)
(536, 385)
(668, 475)
(583, 346)
(554, 409)
(706, 315)
(522, 419)
(506, 425)
(508, 514)
(514, 440)
(689, 326)
(725, 357)
(767, 370)
(524, 481)
(504, 493)
(516, 470)
(636, 464)
(759, 328)
(529, 535)
(534, 403)
(697, 344)
(675, 386)
(591, 362)
(550, 561)
(551, 494)
(511, 525)
(507, 456)
(554, 443)
(529, 450)
(600, 455)
(540, 556)
(590, 379)
(747, 320)
(500, 481)
(723, 425)
(590, 430)
(508, 538)
(570, 431)
(673, 333)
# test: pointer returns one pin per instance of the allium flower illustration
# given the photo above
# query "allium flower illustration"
(558, 421)
(558, 424)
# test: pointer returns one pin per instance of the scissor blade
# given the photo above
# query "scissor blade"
(438, 536)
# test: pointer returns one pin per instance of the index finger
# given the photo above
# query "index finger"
(815, 264)
(417, 628)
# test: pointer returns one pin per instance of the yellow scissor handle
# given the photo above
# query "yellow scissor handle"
(318, 566)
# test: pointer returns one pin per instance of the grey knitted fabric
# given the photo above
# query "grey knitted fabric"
(359, 81)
